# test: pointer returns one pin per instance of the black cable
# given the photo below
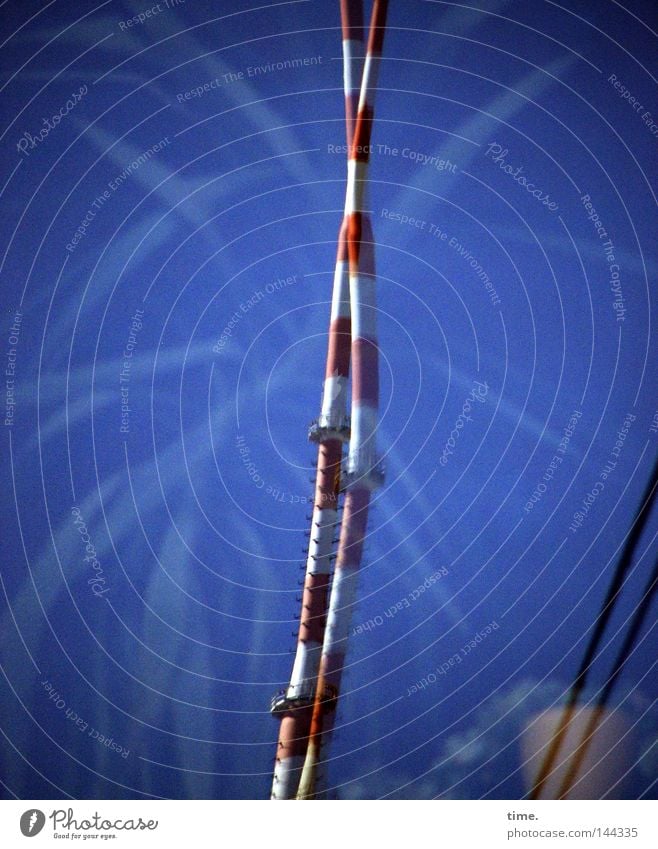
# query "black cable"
(636, 625)
(605, 612)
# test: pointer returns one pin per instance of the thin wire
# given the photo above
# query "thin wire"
(605, 612)
(624, 652)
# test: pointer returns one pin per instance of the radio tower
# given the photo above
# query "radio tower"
(364, 472)
(305, 706)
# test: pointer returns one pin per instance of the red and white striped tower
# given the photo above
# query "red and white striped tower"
(363, 472)
(351, 18)
(294, 706)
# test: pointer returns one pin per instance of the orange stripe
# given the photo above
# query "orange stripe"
(351, 17)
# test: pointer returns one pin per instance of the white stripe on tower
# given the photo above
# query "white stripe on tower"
(363, 469)
(331, 430)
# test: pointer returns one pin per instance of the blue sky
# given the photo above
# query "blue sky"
(197, 295)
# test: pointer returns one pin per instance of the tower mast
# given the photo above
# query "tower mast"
(294, 705)
(364, 472)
